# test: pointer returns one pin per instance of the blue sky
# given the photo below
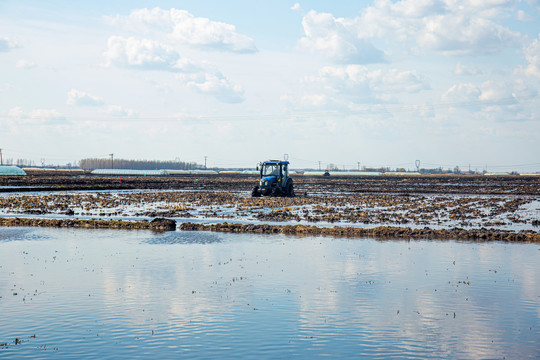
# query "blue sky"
(383, 83)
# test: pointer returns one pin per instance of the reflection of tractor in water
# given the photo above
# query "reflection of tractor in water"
(274, 180)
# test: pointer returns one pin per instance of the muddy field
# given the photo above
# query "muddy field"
(471, 203)
(429, 184)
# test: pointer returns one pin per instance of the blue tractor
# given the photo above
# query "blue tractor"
(274, 180)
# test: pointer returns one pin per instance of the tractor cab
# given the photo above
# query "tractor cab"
(274, 179)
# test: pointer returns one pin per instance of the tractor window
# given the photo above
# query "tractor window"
(285, 171)
(270, 169)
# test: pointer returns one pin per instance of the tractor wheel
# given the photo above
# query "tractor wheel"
(290, 190)
(255, 192)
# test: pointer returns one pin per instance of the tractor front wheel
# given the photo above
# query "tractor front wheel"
(255, 192)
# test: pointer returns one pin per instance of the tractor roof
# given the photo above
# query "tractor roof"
(275, 162)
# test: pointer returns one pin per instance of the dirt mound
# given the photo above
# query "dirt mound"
(381, 232)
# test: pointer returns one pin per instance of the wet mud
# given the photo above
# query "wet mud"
(352, 208)
(158, 224)
(381, 232)
(461, 207)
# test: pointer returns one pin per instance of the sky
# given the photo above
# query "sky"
(350, 83)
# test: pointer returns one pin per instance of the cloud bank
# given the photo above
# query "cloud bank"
(345, 87)
(178, 27)
(450, 27)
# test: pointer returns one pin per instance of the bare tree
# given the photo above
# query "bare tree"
(97, 163)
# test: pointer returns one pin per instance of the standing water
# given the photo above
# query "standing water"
(136, 294)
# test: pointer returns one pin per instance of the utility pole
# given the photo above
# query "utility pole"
(1, 158)
(205, 162)
(358, 165)
(319, 165)
(112, 160)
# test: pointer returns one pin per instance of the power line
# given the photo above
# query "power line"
(49, 156)
(482, 165)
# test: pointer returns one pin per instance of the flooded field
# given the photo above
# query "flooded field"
(505, 212)
(243, 288)
(438, 202)
(74, 293)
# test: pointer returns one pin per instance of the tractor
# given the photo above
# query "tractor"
(274, 180)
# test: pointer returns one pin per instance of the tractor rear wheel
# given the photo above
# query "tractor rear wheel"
(289, 191)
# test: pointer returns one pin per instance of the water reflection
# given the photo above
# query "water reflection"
(178, 237)
(88, 293)
(20, 234)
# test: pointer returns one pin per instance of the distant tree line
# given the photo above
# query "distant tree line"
(94, 163)
(18, 162)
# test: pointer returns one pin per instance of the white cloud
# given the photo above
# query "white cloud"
(397, 81)
(500, 101)
(214, 84)
(532, 55)
(465, 70)
(338, 39)
(296, 7)
(143, 54)
(460, 93)
(119, 111)
(16, 113)
(36, 115)
(79, 98)
(496, 92)
(465, 34)
(523, 16)
(355, 78)
(25, 64)
(186, 65)
(183, 27)
(46, 114)
(7, 44)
